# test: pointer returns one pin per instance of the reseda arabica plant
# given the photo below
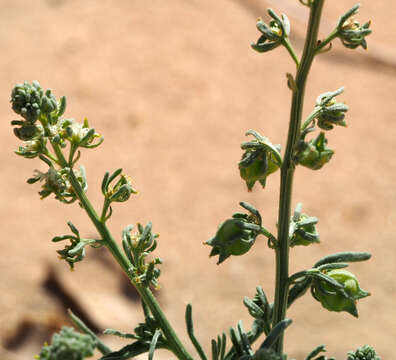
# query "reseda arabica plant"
(58, 142)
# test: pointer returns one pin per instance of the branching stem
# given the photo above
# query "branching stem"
(286, 43)
(145, 293)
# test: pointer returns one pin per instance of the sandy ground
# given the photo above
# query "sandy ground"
(173, 86)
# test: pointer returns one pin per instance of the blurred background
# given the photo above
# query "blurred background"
(173, 86)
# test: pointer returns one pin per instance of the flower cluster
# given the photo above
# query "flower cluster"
(68, 345)
(365, 352)
(29, 101)
(137, 246)
(57, 182)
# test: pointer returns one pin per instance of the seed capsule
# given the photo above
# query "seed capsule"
(237, 235)
(335, 299)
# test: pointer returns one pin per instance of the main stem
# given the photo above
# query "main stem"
(145, 293)
(287, 170)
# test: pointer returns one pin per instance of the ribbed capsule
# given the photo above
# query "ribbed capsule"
(342, 298)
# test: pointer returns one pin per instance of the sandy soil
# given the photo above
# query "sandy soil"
(173, 86)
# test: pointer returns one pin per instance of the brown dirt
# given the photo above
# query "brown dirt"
(173, 86)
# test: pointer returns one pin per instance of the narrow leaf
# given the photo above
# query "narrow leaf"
(276, 331)
(153, 344)
(190, 332)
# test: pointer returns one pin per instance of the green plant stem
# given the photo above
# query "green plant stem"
(286, 43)
(145, 293)
(326, 41)
(80, 324)
(310, 118)
(287, 170)
(106, 205)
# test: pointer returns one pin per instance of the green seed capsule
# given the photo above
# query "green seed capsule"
(231, 239)
(334, 299)
(236, 236)
(256, 165)
(315, 153)
(260, 159)
(306, 233)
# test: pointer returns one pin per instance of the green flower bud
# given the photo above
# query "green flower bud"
(121, 191)
(27, 131)
(330, 112)
(315, 153)
(266, 354)
(304, 228)
(48, 103)
(237, 235)
(336, 299)
(261, 158)
(32, 148)
(26, 100)
(350, 32)
(68, 345)
(272, 34)
(365, 352)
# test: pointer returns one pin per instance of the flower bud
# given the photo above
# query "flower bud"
(32, 148)
(261, 158)
(121, 191)
(48, 103)
(315, 153)
(27, 131)
(266, 354)
(336, 299)
(365, 352)
(237, 235)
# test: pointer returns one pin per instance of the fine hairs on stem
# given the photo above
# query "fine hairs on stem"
(59, 142)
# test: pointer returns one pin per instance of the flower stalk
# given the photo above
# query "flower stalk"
(288, 168)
